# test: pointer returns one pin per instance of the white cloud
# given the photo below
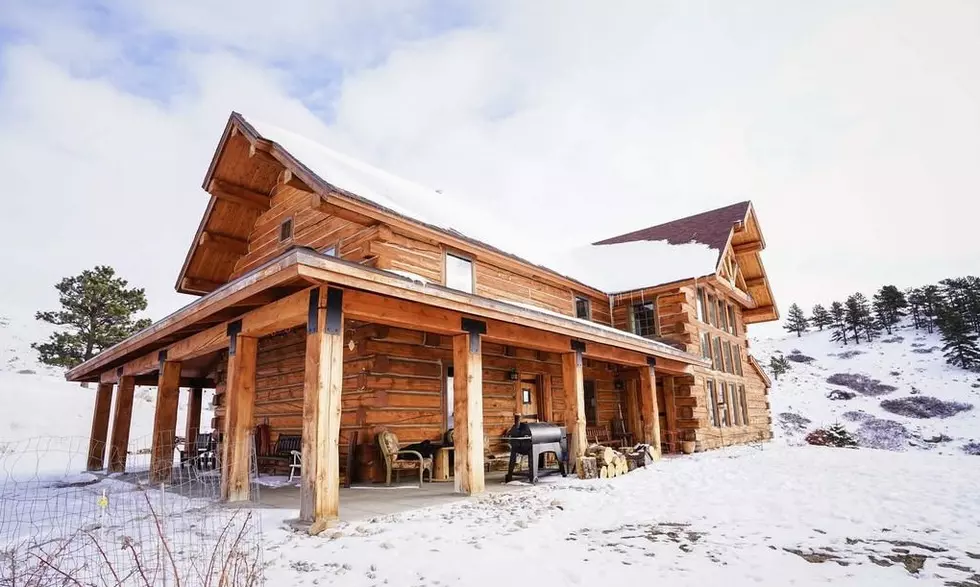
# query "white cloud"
(852, 126)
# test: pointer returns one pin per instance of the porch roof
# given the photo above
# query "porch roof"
(271, 298)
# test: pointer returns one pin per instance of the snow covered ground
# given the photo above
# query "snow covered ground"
(910, 361)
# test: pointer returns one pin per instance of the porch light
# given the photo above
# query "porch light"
(513, 376)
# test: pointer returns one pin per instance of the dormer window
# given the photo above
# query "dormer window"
(286, 230)
(459, 273)
(583, 309)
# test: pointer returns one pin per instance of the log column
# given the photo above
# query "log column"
(468, 408)
(649, 412)
(165, 421)
(193, 424)
(100, 427)
(122, 420)
(574, 386)
(236, 449)
(322, 386)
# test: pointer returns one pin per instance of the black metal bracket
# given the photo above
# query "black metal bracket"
(162, 358)
(652, 361)
(335, 310)
(234, 329)
(119, 371)
(311, 313)
(475, 328)
(578, 346)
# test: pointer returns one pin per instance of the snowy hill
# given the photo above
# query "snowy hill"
(896, 393)
(37, 401)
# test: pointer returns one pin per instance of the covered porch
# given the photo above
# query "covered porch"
(331, 300)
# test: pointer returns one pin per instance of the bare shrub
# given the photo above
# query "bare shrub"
(893, 339)
(847, 354)
(882, 434)
(971, 448)
(791, 422)
(798, 357)
(923, 406)
(860, 383)
(857, 416)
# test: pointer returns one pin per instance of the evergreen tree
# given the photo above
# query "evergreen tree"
(963, 295)
(837, 314)
(857, 315)
(916, 301)
(889, 304)
(796, 320)
(778, 365)
(821, 317)
(932, 300)
(959, 343)
(97, 312)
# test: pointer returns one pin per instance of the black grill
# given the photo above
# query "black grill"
(534, 440)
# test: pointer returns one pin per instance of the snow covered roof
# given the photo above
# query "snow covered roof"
(623, 263)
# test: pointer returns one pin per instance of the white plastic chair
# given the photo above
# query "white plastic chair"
(296, 467)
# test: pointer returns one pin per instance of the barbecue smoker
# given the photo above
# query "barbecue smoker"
(533, 440)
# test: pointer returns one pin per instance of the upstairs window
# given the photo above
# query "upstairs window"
(722, 316)
(286, 230)
(738, 360)
(643, 319)
(712, 311)
(731, 320)
(706, 345)
(702, 312)
(583, 308)
(712, 402)
(459, 273)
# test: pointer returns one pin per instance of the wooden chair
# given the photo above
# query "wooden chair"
(395, 461)
(295, 467)
(282, 453)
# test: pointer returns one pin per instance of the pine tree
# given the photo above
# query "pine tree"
(796, 320)
(821, 317)
(959, 343)
(97, 312)
(932, 300)
(916, 301)
(778, 365)
(857, 314)
(837, 314)
(963, 294)
(889, 304)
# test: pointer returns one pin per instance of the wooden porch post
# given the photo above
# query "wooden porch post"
(649, 411)
(165, 421)
(236, 461)
(468, 408)
(322, 386)
(100, 427)
(122, 420)
(192, 425)
(574, 385)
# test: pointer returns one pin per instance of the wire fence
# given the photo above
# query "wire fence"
(61, 525)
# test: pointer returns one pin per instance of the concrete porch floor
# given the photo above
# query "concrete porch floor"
(369, 500)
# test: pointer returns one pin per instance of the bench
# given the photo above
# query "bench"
(282, 453)
(601, 435)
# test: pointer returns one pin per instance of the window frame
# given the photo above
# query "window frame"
(701, 309)
(731, 320)
(709, 386)
(286, 229)
(445, 270)
(722, 316)
(588, 307)
(591, 408)
(723, 401)
(736, 406)
(729, 363)
(654, 322)
(720, 359)
(738, 361)
(706, 345)
(712, 311)
(744, 404)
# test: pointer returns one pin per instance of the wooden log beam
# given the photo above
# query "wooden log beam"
(650, 413)
(574, 388)
(192, 425)
(239, 409)
(165, 422)
(751, 247)
(199, 285)
(324, 206)
(468, 410)
(290, 179)
(122, 420)
(322, 385)
(261, 150)
(240, 195)
(100, 427)
(224, 243)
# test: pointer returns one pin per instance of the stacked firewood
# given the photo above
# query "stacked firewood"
(604, 462)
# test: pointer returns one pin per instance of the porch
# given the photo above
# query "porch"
(327, 303)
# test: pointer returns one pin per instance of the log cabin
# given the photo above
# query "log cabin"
(336, 301)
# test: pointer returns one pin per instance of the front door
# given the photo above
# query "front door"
(529, 399)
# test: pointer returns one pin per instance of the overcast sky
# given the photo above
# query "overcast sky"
(854, 126)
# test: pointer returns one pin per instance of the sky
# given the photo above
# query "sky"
(853, 125)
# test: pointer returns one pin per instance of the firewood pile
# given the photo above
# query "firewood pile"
(603, 462)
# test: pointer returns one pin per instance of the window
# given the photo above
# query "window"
(718, 360)
(738, 360)
(729, 366)
(712, 402)
(330, 251)
(450, 397)
(582, 308)
(526, 396)
(736, 407)
(286, 230)
(706, 345)
(743, 405)
(722, 316)
(731, 320)
(591, 404)
(459, 273)
(712, 311)
(643, 319)
(723, 417)
(702, 312)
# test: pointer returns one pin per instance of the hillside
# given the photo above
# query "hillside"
(896, 393)
(38, 402)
